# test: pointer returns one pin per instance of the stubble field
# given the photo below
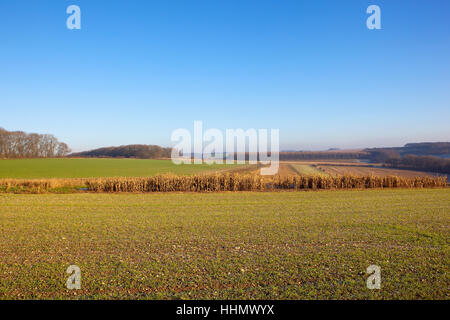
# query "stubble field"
(367, 170)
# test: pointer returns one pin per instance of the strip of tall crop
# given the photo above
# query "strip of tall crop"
(219, 182)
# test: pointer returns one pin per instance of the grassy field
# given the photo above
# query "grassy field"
(90, 168)
(292, 245)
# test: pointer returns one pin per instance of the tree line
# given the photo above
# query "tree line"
(400, 159)
(421, 163)
(19, 144)
(322, 155)
(440, 149)
(139, 151)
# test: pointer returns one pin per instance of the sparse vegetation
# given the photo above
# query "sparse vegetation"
(247, 245)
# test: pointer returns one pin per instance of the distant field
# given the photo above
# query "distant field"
(334, 161)
(364, 170)
(343, 168)
(90, 168)
(305, 169)
(298, 168)
(288, 245)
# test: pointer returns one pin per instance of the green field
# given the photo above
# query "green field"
(91, 168)
(281, 245)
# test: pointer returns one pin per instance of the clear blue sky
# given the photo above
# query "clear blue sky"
(137, 70)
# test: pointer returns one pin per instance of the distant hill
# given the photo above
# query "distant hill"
(426, 149)
(323, 155)
(142, 151)
(437, 149)
(139, 151)
(425, 156)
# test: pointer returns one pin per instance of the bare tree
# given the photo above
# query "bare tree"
(62, 150)
(18, 144)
